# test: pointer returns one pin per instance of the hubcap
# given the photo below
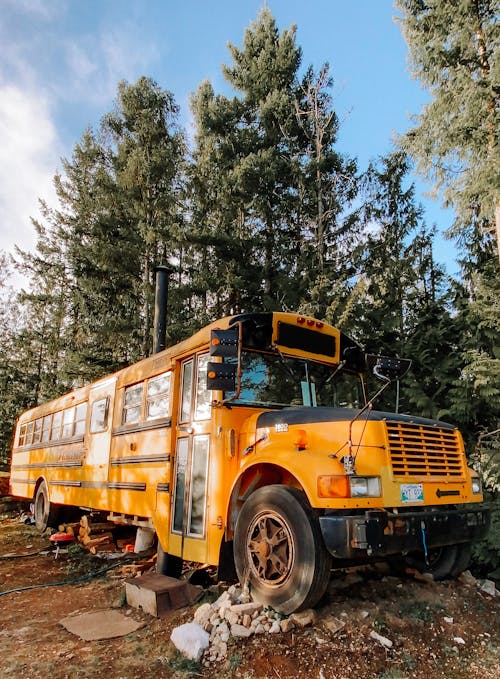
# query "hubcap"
(270, 549)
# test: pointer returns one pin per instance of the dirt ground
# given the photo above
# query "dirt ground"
(437, 629)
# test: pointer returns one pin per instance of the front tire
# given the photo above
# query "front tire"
(279, 551)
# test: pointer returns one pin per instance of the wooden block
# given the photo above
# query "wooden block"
(159, 594)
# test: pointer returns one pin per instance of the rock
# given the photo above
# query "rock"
(234, 592)
(333, 624)
(448, 620)
(248, 609)
(246, 621)
(191, 640)
(423, 577)
(286, 625)
(203, 614)
(275, 627)
(304, 618)
(240, 631)
(363, 615)
(488, 586)
(383, 641)
(458, 640)
(225, 596)
(260, 629)
(466, 578)
(231, 617)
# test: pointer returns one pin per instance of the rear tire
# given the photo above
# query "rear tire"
(444, 562)
(45, 513)
(279, 551)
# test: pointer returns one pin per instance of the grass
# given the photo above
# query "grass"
(420, 611)
(178, 663)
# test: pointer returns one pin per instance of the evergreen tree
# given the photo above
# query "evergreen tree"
(400, 304)
(268, 186)
(147, 157)
(245, 145)
(328, 184)
(100, 250)
(454, 51)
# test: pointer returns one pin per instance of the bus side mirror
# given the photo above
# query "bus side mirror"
(221, 376)
(224, 343)
(388, 368)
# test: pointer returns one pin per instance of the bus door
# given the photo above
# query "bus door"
(101, 399)
(188, 528)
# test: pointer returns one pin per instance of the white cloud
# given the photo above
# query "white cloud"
(29, 153)
(96, 62)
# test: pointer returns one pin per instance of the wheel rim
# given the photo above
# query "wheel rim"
(270, 549)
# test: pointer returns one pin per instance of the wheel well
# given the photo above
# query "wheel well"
(254, 477)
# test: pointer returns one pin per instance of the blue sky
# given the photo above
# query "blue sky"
(61, 61)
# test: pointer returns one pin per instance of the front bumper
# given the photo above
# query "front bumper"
(386, 533)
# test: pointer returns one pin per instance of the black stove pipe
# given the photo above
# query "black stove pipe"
(162, 273)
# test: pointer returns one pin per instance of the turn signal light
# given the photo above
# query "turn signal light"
(333, 486)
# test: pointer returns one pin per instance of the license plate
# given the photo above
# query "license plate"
(412, 492)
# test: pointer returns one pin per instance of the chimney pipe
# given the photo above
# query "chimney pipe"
(161, 300)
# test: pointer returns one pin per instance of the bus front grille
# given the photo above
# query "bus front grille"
(425, 451)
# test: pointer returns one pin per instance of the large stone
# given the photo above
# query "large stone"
(191, 640)
(203, 614)
(240, 631)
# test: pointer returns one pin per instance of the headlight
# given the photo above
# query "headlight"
(476, 485)
(365, 486)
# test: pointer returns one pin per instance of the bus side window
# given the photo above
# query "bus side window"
(22, 435)
(80, 419)
(99, 415)
(55, 432)
(68, 425)
(132, 404)
(37, 433)
(158, 397)
(47, 422)
(29, 433)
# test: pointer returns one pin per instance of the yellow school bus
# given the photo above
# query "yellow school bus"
(254, 438)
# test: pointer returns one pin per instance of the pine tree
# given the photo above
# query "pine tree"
(268, 186)
(454, 52)
(147, 156)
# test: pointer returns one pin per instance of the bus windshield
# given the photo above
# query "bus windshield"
(275, 381)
